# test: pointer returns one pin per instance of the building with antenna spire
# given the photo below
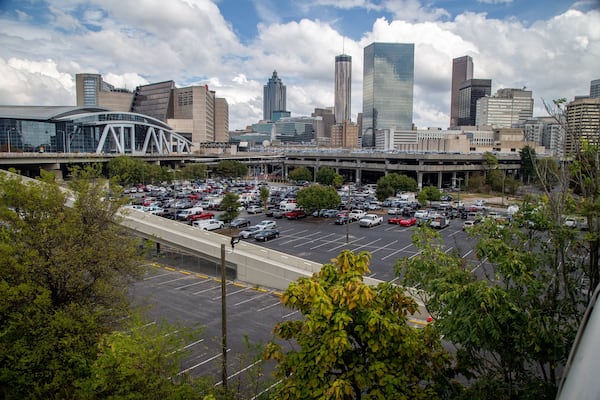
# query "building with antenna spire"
(343, 82)
(274, 97)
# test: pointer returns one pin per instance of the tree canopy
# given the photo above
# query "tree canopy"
(231, 168)
(328, 176)
(230, 205)
(317, 197)
(353, 341)
(393, 183)
(300, 174)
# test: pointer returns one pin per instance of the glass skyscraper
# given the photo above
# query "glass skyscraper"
(387, 89)
(274, 97)
(343, 82)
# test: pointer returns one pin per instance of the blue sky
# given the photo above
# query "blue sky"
(550, 46)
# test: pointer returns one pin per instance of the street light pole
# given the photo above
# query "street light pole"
(347, 214)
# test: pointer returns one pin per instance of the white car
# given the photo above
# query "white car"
(250, 231)
(370, 220)
(267, 224)
(254, 210)
(208, 224)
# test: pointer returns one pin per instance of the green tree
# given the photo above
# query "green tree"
(528, 158)
(264, 196)
(231, 168)
(431, 193)
(132, 364)
(384, 190)
(317, 197)
(300, 174)
(230, 205)
(328, 176)
(193, 172)
(354, 341)
(512, 328)
(63, 278)
(395, 182)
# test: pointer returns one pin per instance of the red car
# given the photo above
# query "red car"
(408, 221)
(403, 221)
(204, 215)
(295, 214)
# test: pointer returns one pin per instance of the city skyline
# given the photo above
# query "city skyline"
(233, 46)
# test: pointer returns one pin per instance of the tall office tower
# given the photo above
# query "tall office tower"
(328, 120)
(274, 97)
(583, 123)
(92, 90)
(462, 70)
(387, 89)
(595, 88)
(221, 120)
(343, 82)
(505, 109)
(470, 91)
(154, 100)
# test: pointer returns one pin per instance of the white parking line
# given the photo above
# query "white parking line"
(349, 243)
(396, 252)
(252, 299)
(325, 243)
(314, 240)
(295, 238)
(467, 253)
(231, 293)
(202, 363)
(383, 247)
(172, 280)
(209, 289)
(366, 244)
(290, 314)
(193, 284)
(270, 306)
(156, 276)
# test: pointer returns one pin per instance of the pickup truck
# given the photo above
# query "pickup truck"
(370, 220)
(208, 224)
(356, 215)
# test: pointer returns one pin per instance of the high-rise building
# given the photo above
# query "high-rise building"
(344, 135)
(328, 120)
(387, 89)
(505, 109)
(462, 70)
(583, 123)
(274, 97)
(595, 88)
(221, 120)
(470, 91)
(92, 90)
(343, 82)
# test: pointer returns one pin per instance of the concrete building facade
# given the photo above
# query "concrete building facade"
(507, 108)
(470, 91)
(583, 123)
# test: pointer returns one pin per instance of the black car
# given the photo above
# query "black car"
(240, 223)
(266, 234)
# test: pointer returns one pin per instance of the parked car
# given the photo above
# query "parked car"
(394, 220)
(330, 213)
(278, 214)
(267, 224)
(394, 211)
(468, 225)
(341, 220)
(295, 214)
(408, 221)
(370, 220)
(208, 224)
(266, 234)
(250, 231)
(254, 209)
(202, 215)
(240, 223)
(356, 215)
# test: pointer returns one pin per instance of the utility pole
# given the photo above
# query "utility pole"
(224, 317)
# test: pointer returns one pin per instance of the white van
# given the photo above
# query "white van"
(287, 206)
(208, 224)
(187, 212)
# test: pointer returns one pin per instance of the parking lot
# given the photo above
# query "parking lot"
(320, 240)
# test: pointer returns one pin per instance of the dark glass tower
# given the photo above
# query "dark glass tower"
(471, 90)
(387, 89)
(274, 97)
(343, 81)
(462, 70)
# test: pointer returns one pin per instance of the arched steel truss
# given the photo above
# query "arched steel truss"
(156, 139)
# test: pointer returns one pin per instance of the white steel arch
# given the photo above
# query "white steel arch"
(156, 140)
